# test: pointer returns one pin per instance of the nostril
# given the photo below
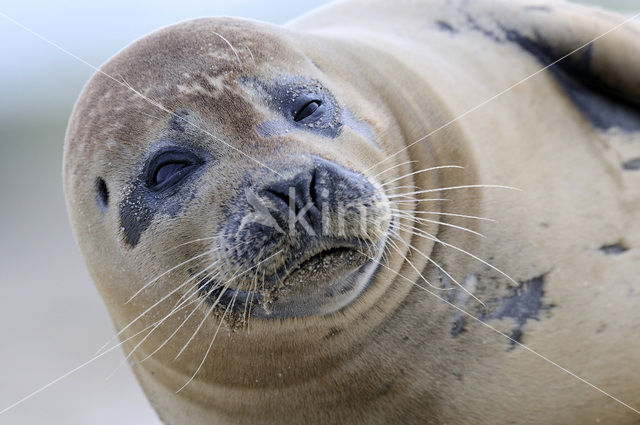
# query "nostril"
(313, 194)
(279, 194)
(283, 197)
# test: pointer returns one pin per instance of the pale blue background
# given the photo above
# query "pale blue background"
(51, 318)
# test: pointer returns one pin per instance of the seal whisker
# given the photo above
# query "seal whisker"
(427, 235)
(74, 370)
(206, 354)
(426, 220)
(153, 327)
(233, 49)
(252, 288)
(226, 286)
(442, 269)
(186, 319)
(166, 296)
(439, 167)
(148, 115)
(176, 307)
(251, 54)
(145, 286)
(412, 200)
(190, 242)
(410, 186)
(468, 186)
(395, 246)
(392, 167)
(453, 215)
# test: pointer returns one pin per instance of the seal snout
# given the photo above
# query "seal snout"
(311, 236)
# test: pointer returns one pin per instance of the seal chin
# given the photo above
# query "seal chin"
(321, 281)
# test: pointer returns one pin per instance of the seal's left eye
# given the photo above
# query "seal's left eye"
(166, 171)
(169, 168)
(307, 110)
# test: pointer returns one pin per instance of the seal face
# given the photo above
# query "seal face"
(286, 223)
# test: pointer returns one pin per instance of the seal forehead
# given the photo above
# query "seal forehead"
(195, 64)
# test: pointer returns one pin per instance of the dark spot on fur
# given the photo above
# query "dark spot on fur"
(459, 298)
(135, 216)
(613, 249)
(445, 26)
(333, 332)
(178, 121)
(457, 327)
(516, 336)
(525, 302)
(604, 106)
(473, 24)
(632, 165)
(103, 194)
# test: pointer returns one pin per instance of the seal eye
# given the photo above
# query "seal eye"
(169, 168)
(166, 171)
(307, 109)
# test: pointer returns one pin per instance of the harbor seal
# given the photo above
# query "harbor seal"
(286, 223)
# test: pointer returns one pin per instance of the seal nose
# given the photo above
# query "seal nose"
(297, 198)
(306, 201)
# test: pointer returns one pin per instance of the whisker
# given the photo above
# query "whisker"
(232, 48)
(440, 167)
(206, 354)
(74, 370)
(394, 246)
(446, 273)
(151, 308)
(219, 297)
(176, 307)
(392, 167)
(427, 235)
(190, 242)
(468, 186)
(405, 186)
(412, 200)
(250, 53)
(455, 215)
(426, 220)
(146, 285)
(186, 319)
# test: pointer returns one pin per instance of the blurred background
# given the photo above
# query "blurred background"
(51, 317)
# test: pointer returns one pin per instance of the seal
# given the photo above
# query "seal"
(286, 223)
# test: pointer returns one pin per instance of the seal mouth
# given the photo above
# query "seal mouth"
(318, 280)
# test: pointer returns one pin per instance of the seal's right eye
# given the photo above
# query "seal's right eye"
(308, 109)
(169, 168)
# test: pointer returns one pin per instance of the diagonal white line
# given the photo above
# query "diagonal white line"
(72, 371)
(492, 98)
(508, 337)
(124, 84)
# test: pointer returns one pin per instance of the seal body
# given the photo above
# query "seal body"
(276, 219)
